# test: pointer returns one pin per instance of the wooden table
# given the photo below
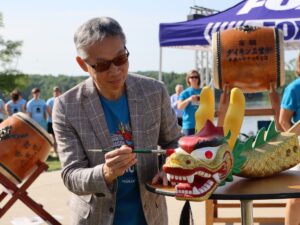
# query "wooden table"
(281, 186)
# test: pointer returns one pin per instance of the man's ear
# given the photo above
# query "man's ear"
(82, 64)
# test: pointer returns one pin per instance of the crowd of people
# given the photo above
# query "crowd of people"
(36, 108)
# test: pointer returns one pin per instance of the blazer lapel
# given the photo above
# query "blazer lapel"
(94, 112)
(135, 97)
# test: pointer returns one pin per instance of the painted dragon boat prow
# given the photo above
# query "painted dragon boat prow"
(270, 153)
(213, 155)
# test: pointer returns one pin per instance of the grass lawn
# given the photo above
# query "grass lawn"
(53, 163)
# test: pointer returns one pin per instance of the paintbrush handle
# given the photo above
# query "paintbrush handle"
(153, 151)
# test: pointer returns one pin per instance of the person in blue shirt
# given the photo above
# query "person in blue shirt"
(289, 115)
(189, 102)
(14, 105)
(36, 108)
(50, 102)
(22, 101)
(174, 99)
(290, 103)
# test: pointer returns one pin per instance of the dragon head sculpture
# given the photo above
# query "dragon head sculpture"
(200, 164)
(204, 160)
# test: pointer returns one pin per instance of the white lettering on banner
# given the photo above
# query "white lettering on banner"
(290, 28)
(250, 4)
(276, 5)
(212, 28)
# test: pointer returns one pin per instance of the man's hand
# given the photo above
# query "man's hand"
(160, 178)
(117, 162)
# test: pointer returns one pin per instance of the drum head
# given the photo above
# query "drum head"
(35, 126)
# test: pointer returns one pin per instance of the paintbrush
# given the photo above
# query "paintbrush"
(153, 151)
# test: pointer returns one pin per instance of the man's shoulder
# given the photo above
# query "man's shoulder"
(74, 92)
(137, 79)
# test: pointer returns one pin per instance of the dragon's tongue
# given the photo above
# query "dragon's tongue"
(198, 183)
(184, 186)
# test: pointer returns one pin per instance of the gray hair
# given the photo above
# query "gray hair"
(94, 30)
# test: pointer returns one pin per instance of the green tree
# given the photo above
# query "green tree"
(9, 50)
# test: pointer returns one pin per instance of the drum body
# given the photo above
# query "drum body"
(250, 58)
(23, 143)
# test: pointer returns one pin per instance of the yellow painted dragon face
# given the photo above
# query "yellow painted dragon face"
(200, 164)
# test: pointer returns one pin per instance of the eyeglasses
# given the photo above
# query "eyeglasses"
(104, 65)
(194, 77)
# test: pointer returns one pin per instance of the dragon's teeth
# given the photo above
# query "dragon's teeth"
(168, 177)
(195, 191)
(190, 179)
(217, 178)
(203, 174)
(201, 190)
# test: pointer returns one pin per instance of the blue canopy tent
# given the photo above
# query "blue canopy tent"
(197, 34)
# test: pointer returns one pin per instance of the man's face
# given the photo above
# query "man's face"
(36, 94)
(113, 79)
(56, 93)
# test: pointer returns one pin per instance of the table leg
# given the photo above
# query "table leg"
(247, 212)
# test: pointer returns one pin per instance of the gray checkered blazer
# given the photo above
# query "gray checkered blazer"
(79, 124)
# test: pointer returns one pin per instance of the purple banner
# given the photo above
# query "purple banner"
(281, 14)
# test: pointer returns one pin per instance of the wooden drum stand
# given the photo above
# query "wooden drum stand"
(21, 194)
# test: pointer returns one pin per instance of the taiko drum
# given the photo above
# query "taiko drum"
(23, 144)
(250, 58)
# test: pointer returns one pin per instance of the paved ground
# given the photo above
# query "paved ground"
(49, 191)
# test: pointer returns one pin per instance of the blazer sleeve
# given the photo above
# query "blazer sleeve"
(77, 174)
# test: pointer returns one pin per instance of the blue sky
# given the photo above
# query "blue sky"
(47, 27)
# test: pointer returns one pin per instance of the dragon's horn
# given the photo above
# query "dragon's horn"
(206, 109)
(234, 115)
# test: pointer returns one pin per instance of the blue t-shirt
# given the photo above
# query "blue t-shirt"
(14, 107)
(188, 114)
(50, 103)
(37, 108)
(291, 99)
(22, 102)
(129, 209)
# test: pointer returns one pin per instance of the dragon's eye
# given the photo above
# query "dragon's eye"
(188, 162)
(205, 153)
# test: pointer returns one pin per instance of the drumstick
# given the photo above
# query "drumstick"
(153, 151)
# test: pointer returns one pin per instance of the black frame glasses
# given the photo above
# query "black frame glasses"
(104, 65)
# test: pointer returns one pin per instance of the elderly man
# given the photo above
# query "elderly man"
(116, 111)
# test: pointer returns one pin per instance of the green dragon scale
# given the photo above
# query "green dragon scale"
(270, 153)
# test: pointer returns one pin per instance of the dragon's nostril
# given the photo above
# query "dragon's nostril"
(188, 162)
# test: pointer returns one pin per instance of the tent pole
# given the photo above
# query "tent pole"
(160, 64)
(207, 69)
